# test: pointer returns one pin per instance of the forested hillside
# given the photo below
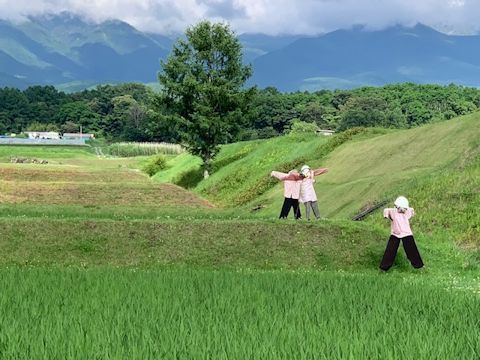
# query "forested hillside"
(135, 112)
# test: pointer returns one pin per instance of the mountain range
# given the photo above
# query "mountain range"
(73, 53)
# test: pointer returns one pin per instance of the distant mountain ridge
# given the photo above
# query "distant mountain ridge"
(356, 57)
(66, 48)
(73, 53)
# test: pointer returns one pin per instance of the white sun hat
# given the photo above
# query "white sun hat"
(305, 169)
(401, 202)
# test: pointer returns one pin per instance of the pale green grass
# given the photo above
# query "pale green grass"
(197, 242)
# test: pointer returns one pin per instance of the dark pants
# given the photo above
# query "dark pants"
(287, 204)
(410, 249)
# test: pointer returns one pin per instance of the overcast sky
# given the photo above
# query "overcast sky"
(266, 16)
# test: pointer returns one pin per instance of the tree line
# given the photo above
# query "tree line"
(135, 112)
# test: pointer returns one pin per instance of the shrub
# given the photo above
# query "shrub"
(302, 127)
(154, 165)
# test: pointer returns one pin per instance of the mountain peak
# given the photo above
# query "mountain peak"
(63, 19)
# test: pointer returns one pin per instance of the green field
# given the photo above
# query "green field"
(137, 313)
(101, 261)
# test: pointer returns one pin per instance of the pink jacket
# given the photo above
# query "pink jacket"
(293, 183)
(307, 191)
(291, 187)
(400, 226)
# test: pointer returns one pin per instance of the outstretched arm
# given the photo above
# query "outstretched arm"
(279, 175)
(293, 177)
(284, 176)
(320, 171)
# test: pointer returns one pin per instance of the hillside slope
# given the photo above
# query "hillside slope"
(436, 165)
(363, 169)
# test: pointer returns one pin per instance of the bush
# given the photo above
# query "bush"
(154, 165)
(302, 127)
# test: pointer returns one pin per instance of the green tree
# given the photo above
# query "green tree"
(80, 113)
(363, 111)
(202, 85)
(37, 126)
(128, 118)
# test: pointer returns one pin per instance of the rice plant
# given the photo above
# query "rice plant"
(105, 313)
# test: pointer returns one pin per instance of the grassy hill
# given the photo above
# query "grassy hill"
(142, 268)
(81, 209)
(377, 167)
(436, 166)
(366, 166)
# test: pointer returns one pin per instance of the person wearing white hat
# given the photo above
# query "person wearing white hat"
(307, 191)
(400, 231)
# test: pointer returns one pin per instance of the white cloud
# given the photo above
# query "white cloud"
(268, 16)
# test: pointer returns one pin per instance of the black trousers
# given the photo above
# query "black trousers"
(288, 203)
(410, 249)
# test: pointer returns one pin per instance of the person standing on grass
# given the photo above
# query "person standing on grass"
(400, 230)
(307, 192)
(291, 192)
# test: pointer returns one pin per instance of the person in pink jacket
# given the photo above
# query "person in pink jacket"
(399, 217)
(291, 192)
(307, 192)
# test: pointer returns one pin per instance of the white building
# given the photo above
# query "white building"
(325, 132)
(52, 135)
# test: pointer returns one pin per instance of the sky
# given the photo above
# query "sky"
(271, 17)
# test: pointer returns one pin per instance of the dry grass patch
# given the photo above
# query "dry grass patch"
(125, 194)
(56, 174)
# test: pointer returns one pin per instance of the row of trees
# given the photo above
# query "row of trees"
(394, 106)
(135, 112)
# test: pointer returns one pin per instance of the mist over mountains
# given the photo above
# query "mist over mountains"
(72, 53)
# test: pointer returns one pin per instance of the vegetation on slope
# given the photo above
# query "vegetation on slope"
(365, 167)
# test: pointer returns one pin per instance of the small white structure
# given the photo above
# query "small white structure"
(325, 132)
(51, 135)
(78, 136)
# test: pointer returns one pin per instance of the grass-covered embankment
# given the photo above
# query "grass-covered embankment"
(200, 243)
